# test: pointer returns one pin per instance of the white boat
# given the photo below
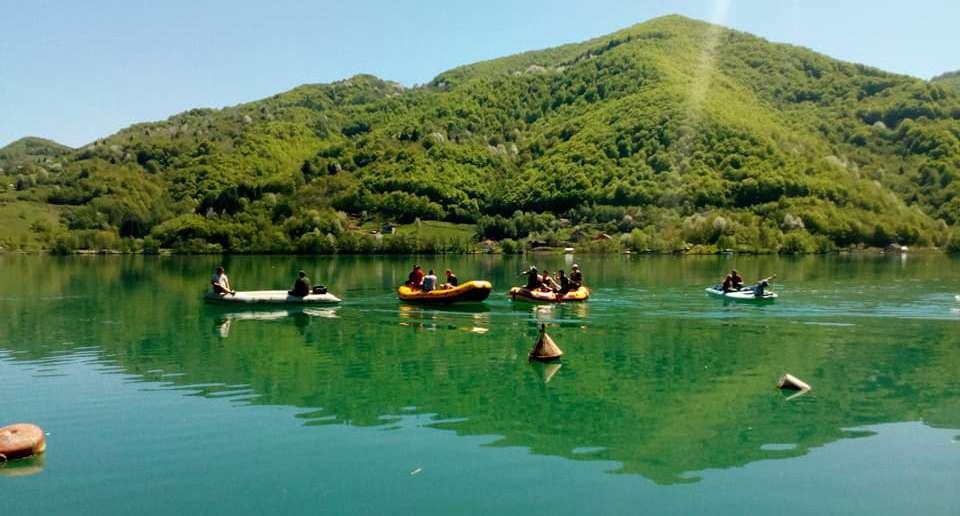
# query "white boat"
(271, 297)
(744, 294)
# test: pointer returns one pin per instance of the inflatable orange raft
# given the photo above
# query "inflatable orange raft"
(469, 291)
(537, 296)
(21, 440)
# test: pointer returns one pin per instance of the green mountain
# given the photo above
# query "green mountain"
(673, 133)
(31, 150)
(949, 80)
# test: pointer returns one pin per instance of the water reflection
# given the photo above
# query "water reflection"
(22, 467)
(300, 317)
(547, 370)
(657, 382)
(469, 317)
(562, 314)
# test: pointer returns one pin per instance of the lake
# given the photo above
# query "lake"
(664, 402)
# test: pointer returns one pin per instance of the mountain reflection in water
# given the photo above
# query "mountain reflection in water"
(656, 378)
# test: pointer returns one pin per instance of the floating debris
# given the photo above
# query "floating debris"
(416, 471)
(21, 440)
(545, 348)
(790, 382)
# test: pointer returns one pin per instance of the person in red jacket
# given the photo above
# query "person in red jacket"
(415, 279)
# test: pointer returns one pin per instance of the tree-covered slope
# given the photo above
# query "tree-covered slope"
(30, 150)
(949, 80)
(673, 133)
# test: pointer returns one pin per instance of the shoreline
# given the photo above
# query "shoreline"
(876, 251)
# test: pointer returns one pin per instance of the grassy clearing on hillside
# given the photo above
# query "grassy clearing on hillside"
(435, 228)
(19, 218)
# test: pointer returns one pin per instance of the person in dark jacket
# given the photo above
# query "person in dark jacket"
(301, 288)
(576, 277)
(452, 280)
(564, 283)
(533, 278)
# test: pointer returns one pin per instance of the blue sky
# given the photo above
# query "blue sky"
(77, 71)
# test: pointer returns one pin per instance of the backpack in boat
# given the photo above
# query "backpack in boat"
(319, 289)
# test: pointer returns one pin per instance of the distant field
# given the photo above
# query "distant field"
(18, 217)
(433, 228)
(430, 228)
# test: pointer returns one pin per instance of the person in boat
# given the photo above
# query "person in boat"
(220, 282)
(452, 280)
(733, 282)
(415, 279)
(761, 287)
(301, 287)
(429, 282)
(564, 282)
(576, 277)
(548, 283)
(533, 278)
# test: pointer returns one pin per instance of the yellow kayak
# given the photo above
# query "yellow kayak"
(537, 296)
(469, 291)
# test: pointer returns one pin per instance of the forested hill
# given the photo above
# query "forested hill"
(30, 150)
(672, 134)
(949, 80)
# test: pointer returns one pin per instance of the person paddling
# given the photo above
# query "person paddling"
(533, 278)
(220, 282)
(761, 287)
(564, 282)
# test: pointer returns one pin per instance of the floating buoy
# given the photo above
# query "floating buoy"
(545, 348)
(21, 440)
(790, 382)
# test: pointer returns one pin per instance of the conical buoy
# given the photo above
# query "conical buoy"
(790, 382)
(21, 440)
(545, 349)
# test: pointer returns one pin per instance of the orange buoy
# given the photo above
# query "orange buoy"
(545, 349)
(21, 440)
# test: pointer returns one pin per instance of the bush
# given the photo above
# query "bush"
(953, 244)
(798, 242)
(511, 246)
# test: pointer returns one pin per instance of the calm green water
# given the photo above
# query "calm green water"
(156, 403)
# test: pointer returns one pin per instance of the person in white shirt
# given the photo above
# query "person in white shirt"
(429, 281)
(220, 282)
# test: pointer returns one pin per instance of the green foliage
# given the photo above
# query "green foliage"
(773, 149)
(953, 244)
